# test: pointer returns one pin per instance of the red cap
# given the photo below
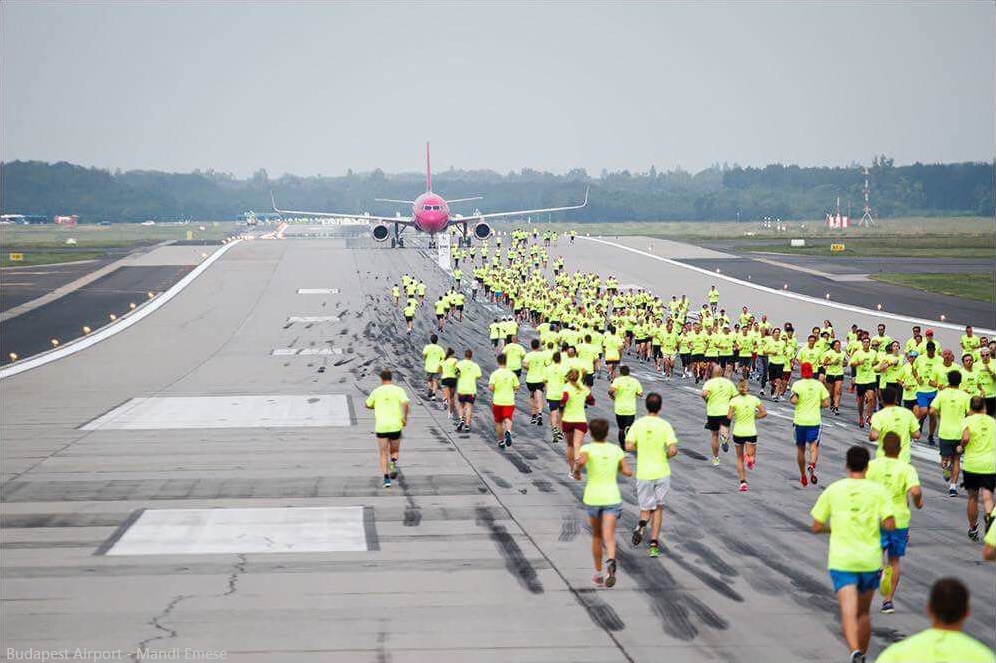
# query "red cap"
(806, 370)
(929, 332)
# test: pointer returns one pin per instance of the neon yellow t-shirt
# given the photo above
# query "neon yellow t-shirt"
(612, 344)
(555, 379)
(433, 356)
(811, 395)
(449, 367)
(513, 356)
(898, 420)
(721, 390)
(602, 467)
(834, 362)
(387, 401)
(980, 452)
(536, 360)
(744, 414)
(627, 388)
(952, 406)
(865, 363)
(937, 646)
(897, 477)
(650, 437)
(855, 509)
(574, 409)
(505, 383)
(469, 374)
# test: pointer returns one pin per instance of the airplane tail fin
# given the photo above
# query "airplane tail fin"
(428, 170)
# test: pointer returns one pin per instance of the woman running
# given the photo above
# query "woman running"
(833, 362)
(448, 382)
(574, 420)
(745, 410)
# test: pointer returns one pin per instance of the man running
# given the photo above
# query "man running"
(603, 462)
(808, 397)
(945, 640)
(717, 392)
(863, 361)
(468, 373)
(433, 355)
(535, 363)
(894, 419)
(901, 482)
(950, 405)
(854, 511)
(623, 392)
(653, 440)
(390, 405)
(745, 410)
(503, 384)
(978, 463)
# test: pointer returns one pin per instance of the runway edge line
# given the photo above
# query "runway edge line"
(119, 325)
(790, 295)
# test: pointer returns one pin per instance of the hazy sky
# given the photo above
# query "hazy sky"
(318, 88)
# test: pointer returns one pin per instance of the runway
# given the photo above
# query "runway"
(284, 547)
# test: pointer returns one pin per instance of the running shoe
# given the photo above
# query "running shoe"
(947, 473)
(856, 657)
(597, 580)
(715, 461)
(952, 492)
(539, 419)
(804, 481)
(930, 440)
(836, 411)
(888, 608)
(743, 486)
(387, 482)
(812, 474)
(501, 443)
(508, 438)
(610, 568)
(777, 399)
(885, 584)
(655, 550)
(973, 533)
(460, 427)
(532, 419)
(393, 468)
(726, 447)
(637, 537)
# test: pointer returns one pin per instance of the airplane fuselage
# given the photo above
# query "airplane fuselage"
(430, 213)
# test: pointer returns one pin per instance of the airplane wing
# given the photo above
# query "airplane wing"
(341, 215)
(495, 215)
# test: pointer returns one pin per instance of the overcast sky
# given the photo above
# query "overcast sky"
(319, 88)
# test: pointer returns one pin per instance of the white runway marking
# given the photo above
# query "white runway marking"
(312, 318)
(226, 412)
(305, 352)
(318, 291)
(217, 531)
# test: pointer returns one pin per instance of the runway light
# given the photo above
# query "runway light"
(13, 356)
(828, 295)
(112, 317)
(942, 317)
(86, 330)
(785, 287)
(718, 271)
(132, 305)
(204, 255)
(878, 306)
(55, 342)
(151, 295)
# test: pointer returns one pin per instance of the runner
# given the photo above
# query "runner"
(863, 361)
(514, 353)
(409, 312)
(603, 462)
(945, 640)
(433, 355)
(808, 396)
(390, 405)
(833, 367)
(950, 406)
(574, 419)
(923, 373)
(611, 342)
(503, 384)
(717, 392)
(623, 392)
(653, 440)
(745, 410)
(853, 510)
(555, 371)
(468, 373)
(535, 363)
(894, 419)
(900, 481)
(441, 306)
(978, 446)
(449, 382)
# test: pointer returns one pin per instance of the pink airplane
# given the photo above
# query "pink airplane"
(430, 214)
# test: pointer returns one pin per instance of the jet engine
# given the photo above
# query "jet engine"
(380, 232)
(482, 231)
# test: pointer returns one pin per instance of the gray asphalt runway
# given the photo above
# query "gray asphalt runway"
(64, 319)
(860, 265)
(22, 284)
(474, 554)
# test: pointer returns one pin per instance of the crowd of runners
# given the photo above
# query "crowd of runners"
(584, 328)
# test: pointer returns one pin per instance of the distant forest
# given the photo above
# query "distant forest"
(717, 193)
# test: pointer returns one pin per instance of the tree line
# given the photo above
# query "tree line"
(720, 192)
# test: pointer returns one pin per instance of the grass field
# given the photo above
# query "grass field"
(46, 244)
(959, 237)
(973, 285)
